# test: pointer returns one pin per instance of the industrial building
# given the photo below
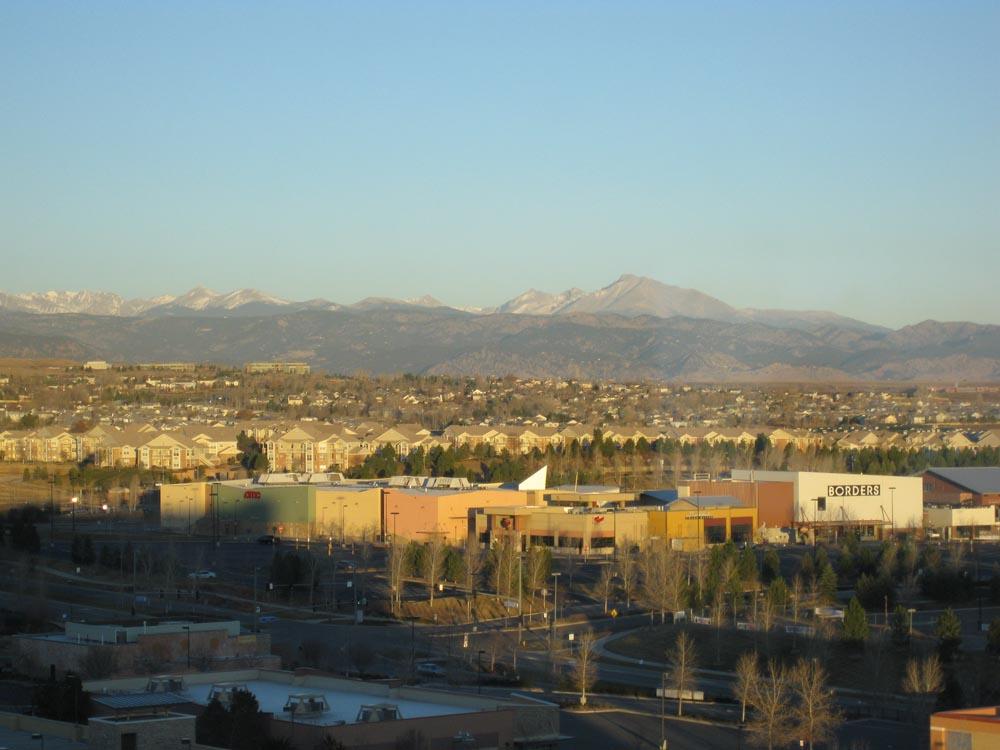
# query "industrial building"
(973, 485)
(137, 648)
(306, 707)
(960, 523)
(587, 531)
(299, 506)
(966, 728)
(693, 523)
(827, 504)
(422, 513)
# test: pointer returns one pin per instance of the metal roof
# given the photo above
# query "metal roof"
(140, 700)
(979, 479)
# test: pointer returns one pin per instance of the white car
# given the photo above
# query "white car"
(202, 574)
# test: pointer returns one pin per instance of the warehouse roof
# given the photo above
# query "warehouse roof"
(139, 700)
(982, 480)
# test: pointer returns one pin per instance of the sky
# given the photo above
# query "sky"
(804, 155)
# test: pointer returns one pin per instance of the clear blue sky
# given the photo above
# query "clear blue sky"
(808, 154)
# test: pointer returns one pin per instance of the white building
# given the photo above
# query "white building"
(876, 503)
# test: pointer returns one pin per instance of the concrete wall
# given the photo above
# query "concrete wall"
(423, 514)
(951, 520)
(181, 504)
(685, 527)
(151, 732)
(874, 503)
(362, 516)
(150, 654)
(49, 727)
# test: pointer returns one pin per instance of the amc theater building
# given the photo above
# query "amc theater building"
(827, 505)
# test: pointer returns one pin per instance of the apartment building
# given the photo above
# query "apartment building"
(315, 447)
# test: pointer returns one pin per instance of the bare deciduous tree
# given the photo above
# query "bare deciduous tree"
(584, 670)
(771, 703)
(503, 562)
(395, 565)
(472, 564)
(683, 659)
(605, 583)
(795, 595)
(627, 569)
(747, 674)
(924, 679)
(662, 578)
(816, 714)
(434, 564)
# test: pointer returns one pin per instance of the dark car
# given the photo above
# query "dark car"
(268, 539)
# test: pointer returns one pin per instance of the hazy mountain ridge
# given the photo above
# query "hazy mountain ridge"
(420, 339)
(629, 296)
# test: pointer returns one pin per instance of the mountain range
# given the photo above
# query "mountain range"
(634, 328)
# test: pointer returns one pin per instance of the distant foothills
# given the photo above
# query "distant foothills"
(634, 329)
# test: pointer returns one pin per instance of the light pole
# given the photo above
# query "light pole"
(188, 629)
(614, 541)
(394, 514)
(663, 711)
(479, 673)
(699, 526)
(73, 501)
(52, 508)
(910, 612)
(255, 607)
(555, 602)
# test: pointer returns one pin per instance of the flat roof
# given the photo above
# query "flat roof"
(139, 700)
(587, 489)
(344, 703)
(15, 740)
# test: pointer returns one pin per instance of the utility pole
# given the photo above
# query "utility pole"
(52, 509)
(663, 711)
(255, 608)
(555, 605)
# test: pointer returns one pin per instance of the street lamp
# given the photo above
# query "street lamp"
(394, 514)
(73, 501)
(663, 711)
(52, 508)
(910, 612)
(699, 526)
(555, 601)
(188, 629)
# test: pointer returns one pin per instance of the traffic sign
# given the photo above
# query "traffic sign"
(614, 613)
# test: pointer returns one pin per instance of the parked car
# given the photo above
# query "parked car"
(268, 539)
(265, 619)
(202, 574)
(345, 565)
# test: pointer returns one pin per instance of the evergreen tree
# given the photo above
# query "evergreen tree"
(993, 637)
(900, 626)
(772, 566)
(827, 584)
(855, 623)
(948, 630)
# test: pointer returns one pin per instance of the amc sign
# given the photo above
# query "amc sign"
(854, 490)
(251, 495)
